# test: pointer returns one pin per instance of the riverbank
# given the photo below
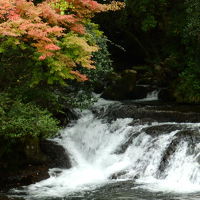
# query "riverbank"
(30, 172)
(111, 128)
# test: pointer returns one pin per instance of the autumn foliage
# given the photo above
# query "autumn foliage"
(55, 31)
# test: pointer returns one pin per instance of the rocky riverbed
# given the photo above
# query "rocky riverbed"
(157, 131)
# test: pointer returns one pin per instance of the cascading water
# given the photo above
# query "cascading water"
(151, 96)
(106, 151)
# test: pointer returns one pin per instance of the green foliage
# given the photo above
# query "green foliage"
(163, 35)
(16, 65)
(19, 120)
(148, 23)
(49, 36)
(148, 14)
(56, 100)
(188, 89)
(80, 99)
(42, 52)
(80, 94)
(48, 49)
(101, 57)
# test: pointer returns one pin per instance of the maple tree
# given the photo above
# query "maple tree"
(43, 48)
(54, 32)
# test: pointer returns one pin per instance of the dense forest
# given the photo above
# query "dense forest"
(55, 53)
(160, 40)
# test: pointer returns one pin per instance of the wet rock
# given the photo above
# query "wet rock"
(191, 136)
(65, 116)
(166, 158)
(118, 174)
(120, 111)
(32, 151)
(162, 129)
(166, 95)
(124, 146)
(139, 92)
(21, 153)
(56, 154)
(22, 167)
(198, 159)
(3, 197)
(155, 113)
(143, 121)
(55, 172)
(121, 86)
(98, 87)
(27, 175)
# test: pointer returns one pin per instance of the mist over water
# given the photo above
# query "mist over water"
(107, 153)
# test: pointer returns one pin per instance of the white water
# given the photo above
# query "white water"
(151, 96)
(92, 144)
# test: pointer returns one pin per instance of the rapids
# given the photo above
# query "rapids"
(155, 157)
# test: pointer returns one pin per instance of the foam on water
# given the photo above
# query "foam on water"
(92, 144)
(151, 96)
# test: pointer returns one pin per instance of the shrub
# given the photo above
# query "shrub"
(101, 57)
(188, 89)
(19, 120)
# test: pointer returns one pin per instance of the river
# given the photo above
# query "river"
(124, 158)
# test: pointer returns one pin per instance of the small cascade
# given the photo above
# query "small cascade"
(151, 96)
(156, 156)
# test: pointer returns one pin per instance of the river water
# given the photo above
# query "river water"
(119, 159)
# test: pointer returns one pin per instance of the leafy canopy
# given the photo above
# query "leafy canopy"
(49, 37)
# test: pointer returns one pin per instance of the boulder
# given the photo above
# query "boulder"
(191, 136)
(124, 146)
(117, 175)
(57, 155)
(140, 92)
(30, 162)
(152, 113)
(162, 129)
(32, 151)
(166, 94)
(3, 197)
(121, 86)
(65, 116)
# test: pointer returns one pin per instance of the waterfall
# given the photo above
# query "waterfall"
(156, 156)
(151, 96)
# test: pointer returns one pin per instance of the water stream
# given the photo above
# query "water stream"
(116, 159)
